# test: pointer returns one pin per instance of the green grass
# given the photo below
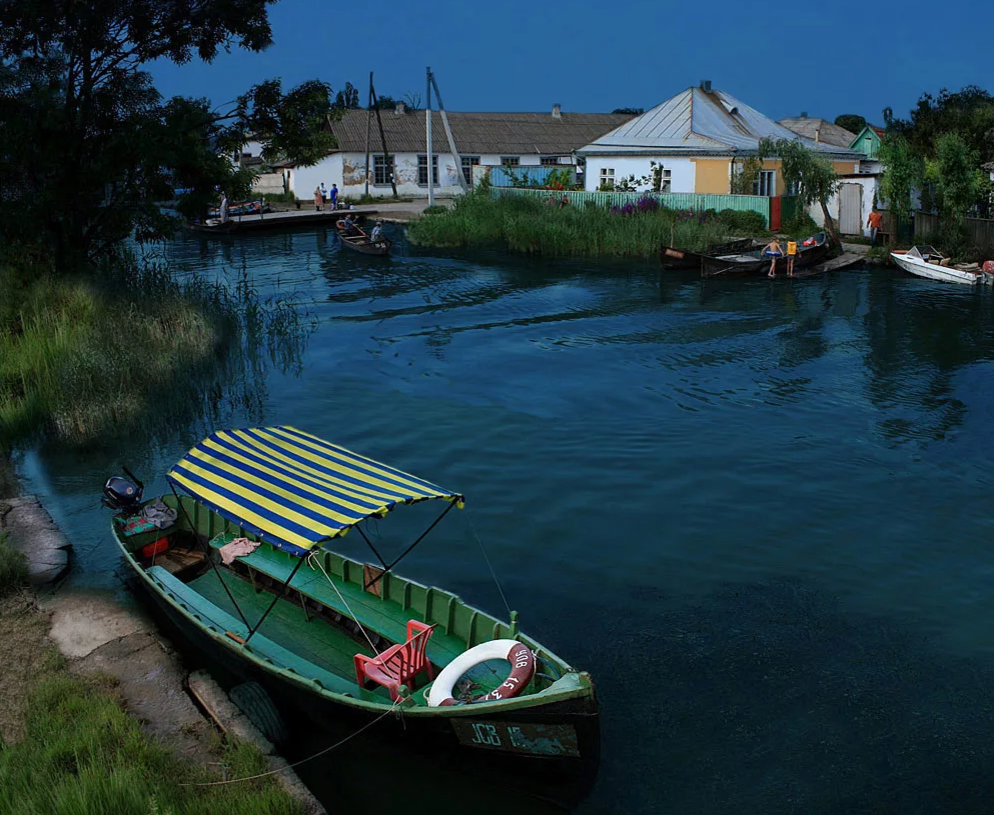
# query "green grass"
(81, 754)
(13, 567)
(529, 226)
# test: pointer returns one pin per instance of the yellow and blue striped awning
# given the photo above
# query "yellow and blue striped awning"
(293, 489)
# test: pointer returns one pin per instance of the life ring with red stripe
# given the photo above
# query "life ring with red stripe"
(522, 670)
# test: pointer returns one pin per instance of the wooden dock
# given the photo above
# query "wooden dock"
(843, 261)
(240, 224)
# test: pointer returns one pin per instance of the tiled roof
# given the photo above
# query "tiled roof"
(508, 134)
(699, 122)
(826, 132)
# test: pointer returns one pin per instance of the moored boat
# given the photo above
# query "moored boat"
(926, 261)
(810, 252)
(241, 563)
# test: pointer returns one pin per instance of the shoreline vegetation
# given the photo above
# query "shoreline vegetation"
(97, 352)
(532, 226)
(67, 745)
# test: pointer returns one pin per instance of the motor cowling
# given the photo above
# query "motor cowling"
(122, 495)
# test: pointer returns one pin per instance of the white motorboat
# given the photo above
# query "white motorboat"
(926, 261)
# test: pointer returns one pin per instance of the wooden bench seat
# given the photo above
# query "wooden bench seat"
(385, 617)
(221, 622)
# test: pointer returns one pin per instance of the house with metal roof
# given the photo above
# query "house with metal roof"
(867, 141)
(818, 130)
(481, 139)
(698, 138)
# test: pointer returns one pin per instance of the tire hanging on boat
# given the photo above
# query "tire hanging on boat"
(522, 669)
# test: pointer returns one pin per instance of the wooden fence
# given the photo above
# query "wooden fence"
(980, 231)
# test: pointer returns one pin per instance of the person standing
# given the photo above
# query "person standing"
(324, 193)
(318, 199)
(874, 223)
(223, 209)
(774, 251)
(791, 256)
(334, 196)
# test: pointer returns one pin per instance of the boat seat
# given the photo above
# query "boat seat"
(221, 622)
(399, 664)
(385, 617)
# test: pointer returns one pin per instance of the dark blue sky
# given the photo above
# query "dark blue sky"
(780, 56)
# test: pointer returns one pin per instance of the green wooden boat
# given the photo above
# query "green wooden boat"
(303, 620)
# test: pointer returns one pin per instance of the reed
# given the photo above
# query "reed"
(529, 225)
(82, 754)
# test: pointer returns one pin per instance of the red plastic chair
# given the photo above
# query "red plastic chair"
(399, 664)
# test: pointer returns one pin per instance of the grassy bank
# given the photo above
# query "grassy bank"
(84, 355)
(529, 225)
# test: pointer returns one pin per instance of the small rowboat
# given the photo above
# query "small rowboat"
(926, 261)
(361, 242)
(241, 564)
(809, 253)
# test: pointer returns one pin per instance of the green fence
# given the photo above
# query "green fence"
(670, 200)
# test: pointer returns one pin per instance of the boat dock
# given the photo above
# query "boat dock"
(279, 220)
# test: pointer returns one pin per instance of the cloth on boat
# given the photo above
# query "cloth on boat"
(158, 514)
(134, 525)
(239, 547)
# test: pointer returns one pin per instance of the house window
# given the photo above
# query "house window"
(510, 161)
(549, 161)
(423, 170)
(468, 163)
(382, 170)
(665, 180)
(766, 183)
(607, 177)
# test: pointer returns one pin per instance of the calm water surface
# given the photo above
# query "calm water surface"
(758, 512)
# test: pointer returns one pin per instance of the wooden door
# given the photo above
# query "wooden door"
(851, 209)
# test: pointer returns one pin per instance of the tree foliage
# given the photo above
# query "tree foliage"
(347, 98)
(968, 112)
(628, 111)
(89, 145)
(812, 176)
(955, 176)
(851, 122)
(903, 173)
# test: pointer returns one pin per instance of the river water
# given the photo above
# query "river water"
(758, 512)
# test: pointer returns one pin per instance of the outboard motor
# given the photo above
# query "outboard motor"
(122, 495)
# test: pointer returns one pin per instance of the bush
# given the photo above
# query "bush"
(435, 210)
(748, 222)
(13, 567)
(277, 197)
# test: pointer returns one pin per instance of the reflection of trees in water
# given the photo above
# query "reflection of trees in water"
(918, 338)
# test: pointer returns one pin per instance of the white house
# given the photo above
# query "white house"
(486, 139)
(696, 141)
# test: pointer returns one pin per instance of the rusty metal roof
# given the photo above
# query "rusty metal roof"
(698, 122)
(819, 129)
(507, 134)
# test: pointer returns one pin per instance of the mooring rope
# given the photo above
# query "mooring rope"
(312, 558)
(302, 761)
(490, 566)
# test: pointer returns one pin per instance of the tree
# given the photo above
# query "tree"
(385, 103)
(89, 147)
(812, 176)
(413, 101)
(851, 122)
(968, 112)
(628, 111)
(348, 98)
(904, 172)
(955, 175)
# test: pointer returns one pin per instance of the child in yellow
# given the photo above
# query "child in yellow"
(791, 255)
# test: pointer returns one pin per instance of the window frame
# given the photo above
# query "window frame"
(381, 167)
(606, 174)
(549, 161)
(767, 179)
(510, 161)
(468, 163)
(423, 169)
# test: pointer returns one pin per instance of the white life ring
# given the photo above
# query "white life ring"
(522, 669)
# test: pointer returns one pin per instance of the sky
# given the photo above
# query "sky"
(780, 57)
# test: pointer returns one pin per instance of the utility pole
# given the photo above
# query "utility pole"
(383, 139)
(431, 161)
(448, 133)
(369, 113)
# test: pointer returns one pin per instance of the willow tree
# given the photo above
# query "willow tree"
(812, 177)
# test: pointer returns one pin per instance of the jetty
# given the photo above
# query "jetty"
(277, 220)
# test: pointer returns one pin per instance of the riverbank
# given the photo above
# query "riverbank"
(533, 226)
(96, 716)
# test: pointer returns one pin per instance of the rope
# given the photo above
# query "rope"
(486, 557)
(303, 760)
(312, 558)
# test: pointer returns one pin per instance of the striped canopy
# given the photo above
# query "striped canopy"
(293, 489)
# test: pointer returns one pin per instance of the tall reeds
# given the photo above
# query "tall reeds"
(530, 225)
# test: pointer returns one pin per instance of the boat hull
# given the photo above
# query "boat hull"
(551, 751)
(933, 271)
(366, 247)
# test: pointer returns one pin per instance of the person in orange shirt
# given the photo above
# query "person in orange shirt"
(874, 223)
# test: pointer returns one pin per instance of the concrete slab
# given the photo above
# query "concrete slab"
(31, 530)
(83, 621)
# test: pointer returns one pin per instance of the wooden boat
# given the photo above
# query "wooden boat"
(333, 635)
(810, 252)
(926, 261)
(361, 242)
(672, 257)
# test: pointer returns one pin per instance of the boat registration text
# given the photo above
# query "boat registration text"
(536, 739)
